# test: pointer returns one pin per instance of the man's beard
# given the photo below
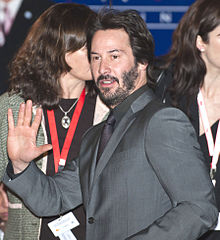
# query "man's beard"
(113, 99)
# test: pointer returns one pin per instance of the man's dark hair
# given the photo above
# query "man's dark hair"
(141, 40)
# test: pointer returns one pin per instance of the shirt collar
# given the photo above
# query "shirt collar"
(120, 110)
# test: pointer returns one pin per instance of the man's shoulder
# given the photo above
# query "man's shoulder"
(166, 116)
(154, 106)
(159, 115)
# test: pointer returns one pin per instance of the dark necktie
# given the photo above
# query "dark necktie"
(107, 131)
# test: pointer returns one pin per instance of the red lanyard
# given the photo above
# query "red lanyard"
(214, 149)
(60, 159)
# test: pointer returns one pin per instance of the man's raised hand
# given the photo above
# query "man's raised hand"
(21, 143)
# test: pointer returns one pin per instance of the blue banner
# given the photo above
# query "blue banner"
(161, 16)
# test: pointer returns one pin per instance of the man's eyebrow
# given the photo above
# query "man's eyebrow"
(114, 50)
(93, 53)
(110, 51)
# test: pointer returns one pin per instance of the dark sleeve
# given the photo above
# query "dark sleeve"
(10, 171)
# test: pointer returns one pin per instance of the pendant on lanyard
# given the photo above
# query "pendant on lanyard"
(214, 149)
(60, 158)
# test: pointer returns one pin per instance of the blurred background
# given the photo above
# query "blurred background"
(162, 17)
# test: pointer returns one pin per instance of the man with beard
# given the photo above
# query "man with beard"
(146, 183)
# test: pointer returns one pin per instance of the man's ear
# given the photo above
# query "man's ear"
(142, 66)
(67, 58)
(200, 44)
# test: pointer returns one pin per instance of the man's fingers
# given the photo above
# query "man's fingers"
(11, 124)
(37, 119)
(44, 148)
(28, 113)
(21, 114)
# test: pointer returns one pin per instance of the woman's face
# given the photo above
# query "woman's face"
(80, 67)
(210, 51)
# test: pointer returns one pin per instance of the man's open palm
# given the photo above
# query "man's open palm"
(21, 143)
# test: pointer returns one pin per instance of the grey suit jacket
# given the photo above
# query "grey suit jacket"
(147, 184)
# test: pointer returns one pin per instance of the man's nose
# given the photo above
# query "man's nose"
(104, 67)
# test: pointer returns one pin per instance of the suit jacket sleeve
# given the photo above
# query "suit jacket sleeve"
(44, 195)
(175, 156)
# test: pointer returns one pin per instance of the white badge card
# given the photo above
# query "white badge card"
(63, 224)
(68, 235)
(217, 228)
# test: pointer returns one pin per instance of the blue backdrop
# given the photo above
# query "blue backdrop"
(162, 16)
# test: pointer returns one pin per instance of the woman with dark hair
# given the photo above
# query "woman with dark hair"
(51, 68)
(191, 81)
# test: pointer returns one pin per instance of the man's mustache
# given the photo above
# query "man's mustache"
(103, 77)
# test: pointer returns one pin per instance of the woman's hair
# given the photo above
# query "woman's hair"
(188, 68)
(141, 40)
(37, 67)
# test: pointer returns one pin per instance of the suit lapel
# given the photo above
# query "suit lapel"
(118, 133)
(113, 143)
(94, 144)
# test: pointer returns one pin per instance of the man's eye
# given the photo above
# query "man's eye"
(115, 56)
(95, 58)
